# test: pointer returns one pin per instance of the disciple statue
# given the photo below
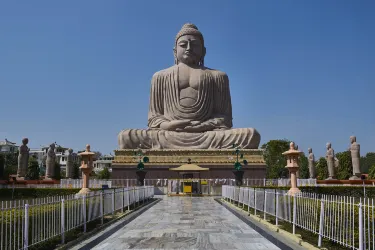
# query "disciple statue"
(311, 159)
(355, 153)
(69, 164)
(23, 158)
(51, 161)
(190, 105)
(330, 157)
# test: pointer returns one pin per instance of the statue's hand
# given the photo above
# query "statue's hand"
(173, 125)
(202, 127)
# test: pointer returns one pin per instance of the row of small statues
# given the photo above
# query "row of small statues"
(332, 161)
(23, 161)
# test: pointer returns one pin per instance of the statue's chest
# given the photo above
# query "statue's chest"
(188, 84)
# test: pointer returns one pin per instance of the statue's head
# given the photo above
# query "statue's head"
(328, 145)
(310, 150)
(70, 150)
(25, 141)
(292, 145)
(52, 146)
(353, 139)
(189, 46)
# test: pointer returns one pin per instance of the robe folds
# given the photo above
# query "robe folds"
(213, 106)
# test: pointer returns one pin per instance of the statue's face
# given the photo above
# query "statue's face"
(189, 50)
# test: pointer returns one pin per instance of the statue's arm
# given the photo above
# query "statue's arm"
(156, 108)
(222, 115)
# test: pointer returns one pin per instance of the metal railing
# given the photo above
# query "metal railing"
(347, 221)
(28, 223)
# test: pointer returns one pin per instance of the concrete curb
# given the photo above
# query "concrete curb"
(107, 229)
(281, 238)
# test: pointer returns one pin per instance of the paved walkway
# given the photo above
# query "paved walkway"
(186, 223)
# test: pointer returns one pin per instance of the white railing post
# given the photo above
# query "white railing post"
(255, 202)
(62, 221)
(277, 208)
(360, 228)
(101, 207)
(128, 192)
(122, 200)
(84, 212)
(264, 182)
(113, 202)
(321, 223)
(26, 228)
(294, 213)
(265, 205)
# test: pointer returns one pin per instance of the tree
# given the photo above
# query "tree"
(76, 170)
(104, 174)
(2, 165)
(367, 162)
(345, 170)
(321, 169)
(303, 167)
(33, 169)
(10, 165)
(371, 173)
(98, 155)
(274, 158)
(57, 171)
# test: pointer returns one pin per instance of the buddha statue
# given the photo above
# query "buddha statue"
(190, 105)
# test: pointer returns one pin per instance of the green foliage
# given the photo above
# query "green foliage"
(367, 162)
(76, 170)
(57, 171)
(304, 167)
(28, 193)
(10, 165)
(371, 173)
(321, 169)
(33, 169)
(345, 170)
(2, 165)
(104, 174)
(275, 161)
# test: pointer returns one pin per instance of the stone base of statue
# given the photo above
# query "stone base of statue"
(355, 177)
(331, 178)
(141, 174)
(293, 191)
(238, 176)
(219, 161)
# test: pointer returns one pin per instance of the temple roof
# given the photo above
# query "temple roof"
(189, 167)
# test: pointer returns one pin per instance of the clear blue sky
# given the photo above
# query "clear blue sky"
(78, 72)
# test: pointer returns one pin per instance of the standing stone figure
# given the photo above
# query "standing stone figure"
(311, 159)
(190, 104)
(330, 157)
(355, 152)
(51, 161)
(69, 164)
(23, 159)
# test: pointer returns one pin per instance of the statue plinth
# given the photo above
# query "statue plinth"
(220, 162)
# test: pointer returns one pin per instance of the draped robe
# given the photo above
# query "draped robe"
(213, 106)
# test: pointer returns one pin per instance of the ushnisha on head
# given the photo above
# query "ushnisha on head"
(353, 139)
(25, 141)
(189, 46)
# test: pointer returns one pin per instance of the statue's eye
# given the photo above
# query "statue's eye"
(183, 44)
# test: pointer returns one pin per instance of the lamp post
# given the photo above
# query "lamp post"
(292, 157)
(238, 172)
(86, 167)
(142, 159)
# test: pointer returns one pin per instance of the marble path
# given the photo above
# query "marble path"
(186, 223)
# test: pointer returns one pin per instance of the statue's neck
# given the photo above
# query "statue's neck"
(184, 65)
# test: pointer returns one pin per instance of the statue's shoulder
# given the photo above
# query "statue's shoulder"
(164, 72)
(216, 73)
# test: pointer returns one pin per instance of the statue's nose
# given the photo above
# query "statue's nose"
(188, 46)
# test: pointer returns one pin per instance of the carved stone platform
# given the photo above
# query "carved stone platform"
(220, 162)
